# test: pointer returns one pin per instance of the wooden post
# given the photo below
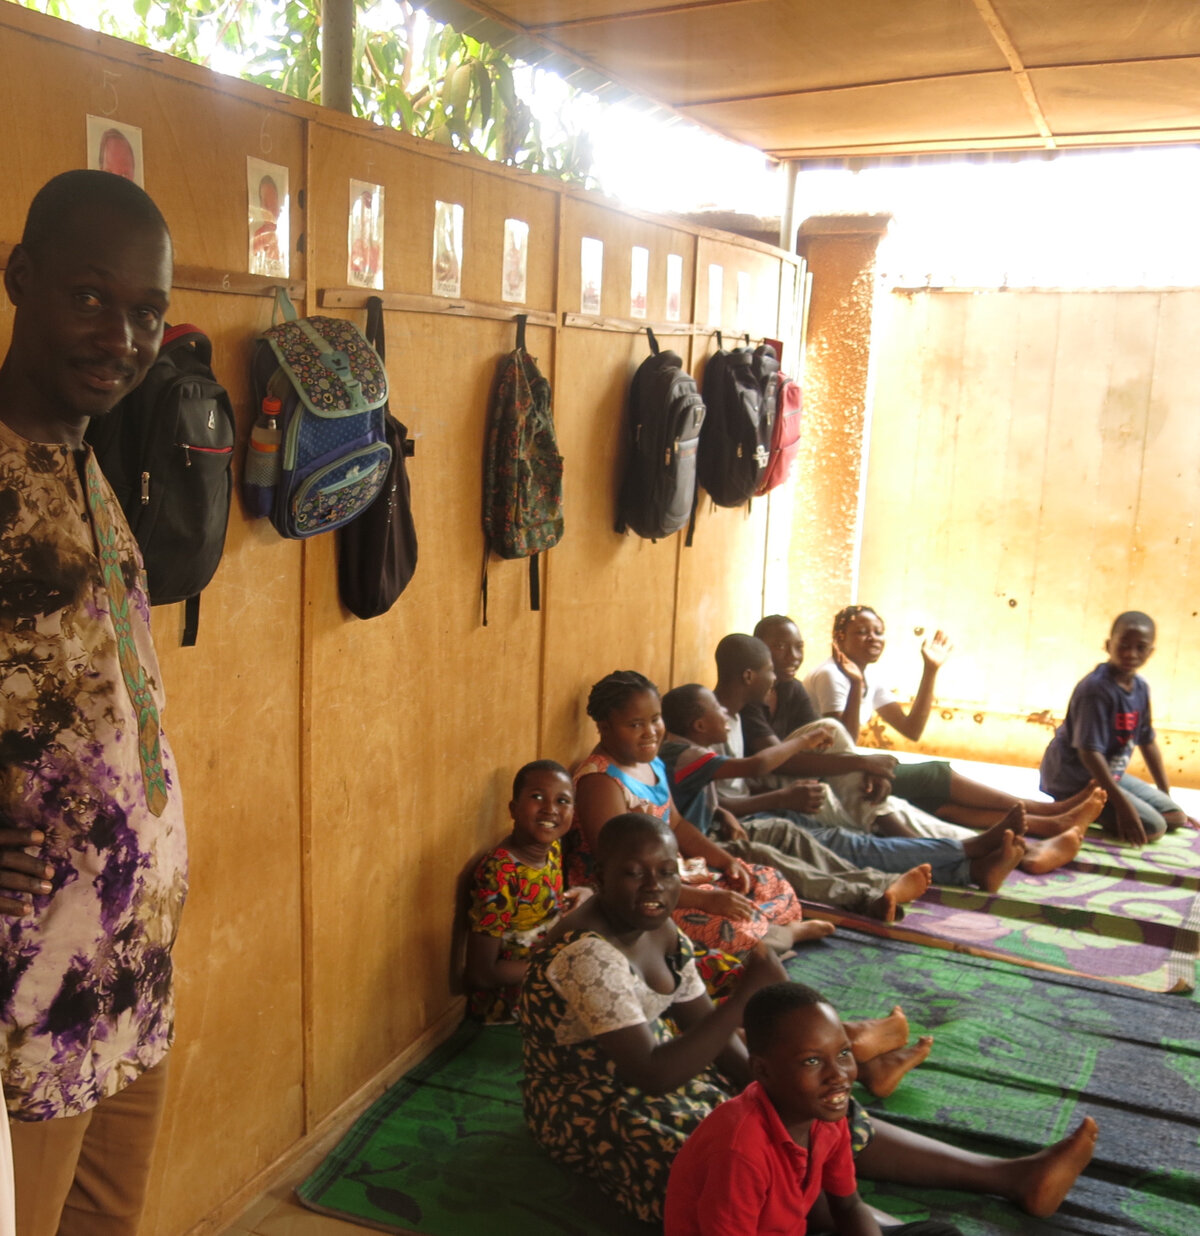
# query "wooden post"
(337, 54)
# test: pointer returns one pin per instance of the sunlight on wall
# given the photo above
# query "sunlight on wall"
(1121, 218)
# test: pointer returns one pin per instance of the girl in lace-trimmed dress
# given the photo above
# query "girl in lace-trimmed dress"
(517, 890)
(610, 1089)
(733, 905)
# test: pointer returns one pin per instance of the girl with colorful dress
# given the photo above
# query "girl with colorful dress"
(517, 890)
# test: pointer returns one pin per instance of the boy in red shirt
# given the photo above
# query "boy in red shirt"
(759, 1163)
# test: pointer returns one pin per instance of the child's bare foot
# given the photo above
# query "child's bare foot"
(990, 870)
(876, 1035)
(903, 889)
(1041, 1181)
(1077, 817)
(811, 929)
(882, 1074)
(1064, 804)
(1043, 856)
(993, 838)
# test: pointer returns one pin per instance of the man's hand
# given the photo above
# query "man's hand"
(729, 825)
(21, 874)
(803, 796)
(936, 649)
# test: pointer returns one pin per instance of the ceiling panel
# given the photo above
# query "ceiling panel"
(1074, 33)
(981, 111)
(815, 78)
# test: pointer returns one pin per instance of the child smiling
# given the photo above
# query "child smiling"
(517, 890)
(758, 1165)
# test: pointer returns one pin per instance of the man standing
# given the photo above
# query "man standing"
(92, 849)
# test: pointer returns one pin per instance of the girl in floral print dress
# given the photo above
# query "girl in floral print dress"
(517, 890)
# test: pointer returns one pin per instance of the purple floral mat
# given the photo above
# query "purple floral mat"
(1118, 914)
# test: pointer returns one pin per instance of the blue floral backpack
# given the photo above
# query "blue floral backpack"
(333, 456)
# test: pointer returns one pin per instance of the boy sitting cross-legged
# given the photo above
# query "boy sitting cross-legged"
(759, 1164)
(1109, 715)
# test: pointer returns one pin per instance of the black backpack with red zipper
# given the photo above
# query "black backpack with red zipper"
(167, 450)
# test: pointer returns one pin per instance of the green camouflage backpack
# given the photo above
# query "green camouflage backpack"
(522, 469)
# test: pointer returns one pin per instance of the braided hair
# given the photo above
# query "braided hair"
(845, 616)
(614, 691)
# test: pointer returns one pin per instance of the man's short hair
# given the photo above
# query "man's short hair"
(682, 707)
(767, 1008)
(738, 653)
(1133, 618)
(57, 202)
(769, 623)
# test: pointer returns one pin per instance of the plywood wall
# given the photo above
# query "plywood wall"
(340, 775)
(1031, 475)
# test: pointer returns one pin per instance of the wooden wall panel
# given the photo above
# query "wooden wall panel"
(340, 775)
(1028, 480)
(610, 598)
(413, 183)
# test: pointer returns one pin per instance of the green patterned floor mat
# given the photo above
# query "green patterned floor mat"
(1019, 1058)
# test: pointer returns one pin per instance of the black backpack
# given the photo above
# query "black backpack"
(166, 450)
(377, 551)
(662, 429)
(733, 446)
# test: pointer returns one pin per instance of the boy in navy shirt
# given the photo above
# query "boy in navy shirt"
(1108, 716)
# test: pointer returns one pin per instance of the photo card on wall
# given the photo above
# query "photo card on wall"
(674, 287)
(447, 249)
(716, 294)
(268, 203)
(591, 272)
(639, 281)
(516, 261)
(364, 266)
(115, 147)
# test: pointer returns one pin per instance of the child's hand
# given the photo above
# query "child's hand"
(761, 968)
(729, 825)
(803, 796)
(573, 898)
(880, 764)
(736, 876)
(727, 904)
(1129, 826)
(848, 667)
(818, 739)
(875, 788)
(936, 649)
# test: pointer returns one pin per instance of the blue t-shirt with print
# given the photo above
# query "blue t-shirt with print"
(1102, 716)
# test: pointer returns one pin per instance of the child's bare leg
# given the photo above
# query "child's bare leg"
(875, 1035)
(1037, 806)
(1038, 1183)
(1043, 856)
(903, 889)
(882, 1074)
(1037, 823)
(990, 870)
